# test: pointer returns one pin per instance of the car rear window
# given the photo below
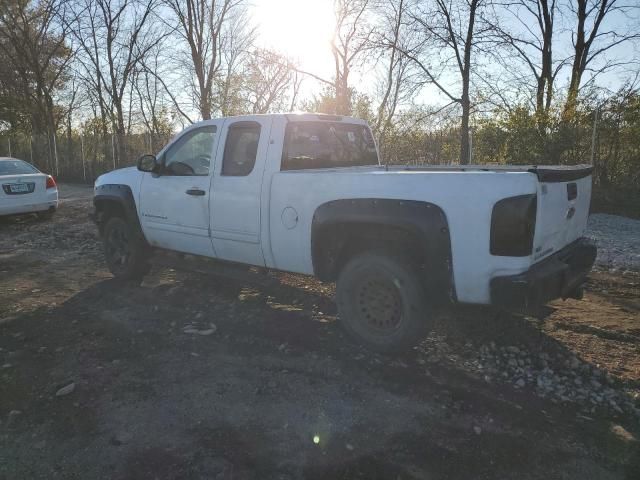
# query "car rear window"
(16, 167)
(327, 144)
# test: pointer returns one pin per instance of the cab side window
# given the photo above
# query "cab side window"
(241, 149)
(191, 154)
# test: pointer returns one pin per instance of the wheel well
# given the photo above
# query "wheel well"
(415, 230)
(106, 209)
(335, 244)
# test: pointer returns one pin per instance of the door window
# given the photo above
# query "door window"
(191, 154)
(241, 149)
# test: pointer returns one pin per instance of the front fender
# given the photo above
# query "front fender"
(109, 197)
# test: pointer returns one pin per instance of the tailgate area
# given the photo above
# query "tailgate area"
(562, 213)
(559, 276)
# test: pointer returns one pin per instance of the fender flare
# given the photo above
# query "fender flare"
(120, 195)
(423, 220)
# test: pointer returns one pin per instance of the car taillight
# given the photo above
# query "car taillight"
(513, 223)
(51, 183)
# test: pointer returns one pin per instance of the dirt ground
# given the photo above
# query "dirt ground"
(182, 378)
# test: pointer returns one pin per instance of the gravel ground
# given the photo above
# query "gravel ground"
(187, 377)
(618, 240)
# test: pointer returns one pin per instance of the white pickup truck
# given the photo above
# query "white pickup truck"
(306, 193)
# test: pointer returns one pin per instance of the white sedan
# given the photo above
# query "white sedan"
(25, 189)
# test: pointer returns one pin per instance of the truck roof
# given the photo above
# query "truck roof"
(297, 117)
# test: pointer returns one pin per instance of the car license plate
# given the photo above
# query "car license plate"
(19, 188)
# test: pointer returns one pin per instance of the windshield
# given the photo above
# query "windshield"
(16, 167)
(328, 144)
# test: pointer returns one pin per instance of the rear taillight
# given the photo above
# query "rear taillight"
(51, 183)
(513, 223)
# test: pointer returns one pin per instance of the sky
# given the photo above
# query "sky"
(301, 29)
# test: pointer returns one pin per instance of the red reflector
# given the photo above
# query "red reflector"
(51, 183)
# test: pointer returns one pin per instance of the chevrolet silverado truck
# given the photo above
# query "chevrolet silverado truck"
(306, 193)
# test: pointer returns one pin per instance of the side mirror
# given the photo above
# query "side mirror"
(148, 163)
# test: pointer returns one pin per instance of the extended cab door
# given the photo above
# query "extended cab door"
(174, 204)
(236, 190)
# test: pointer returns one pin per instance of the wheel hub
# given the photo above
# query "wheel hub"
(379, 304)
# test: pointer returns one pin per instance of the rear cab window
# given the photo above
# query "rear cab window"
(16, 167)
(325, 144)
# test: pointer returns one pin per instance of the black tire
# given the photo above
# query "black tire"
(381, 302)
(124, 250)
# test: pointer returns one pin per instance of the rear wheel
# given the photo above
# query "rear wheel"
(124, 250)
(381, 302)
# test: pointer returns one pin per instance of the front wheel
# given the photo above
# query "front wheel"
(124, 250)
(381, 302)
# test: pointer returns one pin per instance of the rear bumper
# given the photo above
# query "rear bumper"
(558, 276)
(31, 208)
(23, 204)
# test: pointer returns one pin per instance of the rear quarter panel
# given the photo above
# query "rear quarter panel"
(467, 199)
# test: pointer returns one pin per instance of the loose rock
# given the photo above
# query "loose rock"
(66, 390)
(191, 329)
(12, 417)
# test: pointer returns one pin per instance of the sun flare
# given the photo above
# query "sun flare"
(299, 29)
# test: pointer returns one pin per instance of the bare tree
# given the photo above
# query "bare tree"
(85, 28)
(36, 46)
(296, 84)
(152, 104)
(115, 36)
(201, 24)
(532, 40)
(591, 41)
(450, 27)
(158, 67)
(397, 83)
(237, 40)
(351, 38)
(269, 82)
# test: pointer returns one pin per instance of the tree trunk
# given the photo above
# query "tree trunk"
(120, 133)
(545, 81)
(343, 106)
(69, 159)
(205, 105)
(465, 72)
(464, 127)
(581, 53)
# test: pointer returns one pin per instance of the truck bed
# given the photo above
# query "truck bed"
(545, 173)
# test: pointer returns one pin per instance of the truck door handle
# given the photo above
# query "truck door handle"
(196, 192)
